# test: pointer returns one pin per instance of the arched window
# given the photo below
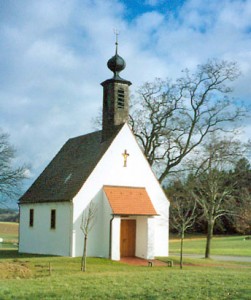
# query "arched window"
(121, 98)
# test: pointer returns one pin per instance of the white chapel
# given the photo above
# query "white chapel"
(109, 169)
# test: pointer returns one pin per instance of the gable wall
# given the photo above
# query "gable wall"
(110, 171)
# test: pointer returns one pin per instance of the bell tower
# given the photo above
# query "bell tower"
(115, 96)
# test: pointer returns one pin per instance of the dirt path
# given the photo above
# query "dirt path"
(136, 261)
(219, 257)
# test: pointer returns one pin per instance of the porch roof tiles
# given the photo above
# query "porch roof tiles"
(129, 201)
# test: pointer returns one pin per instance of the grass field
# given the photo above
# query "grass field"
(9, 234)
(29, 277)
(105, 279)
(226, 245)
(9, 231)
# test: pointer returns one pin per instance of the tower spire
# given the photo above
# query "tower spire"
(116, 32)
(116, 64)
(115, 95)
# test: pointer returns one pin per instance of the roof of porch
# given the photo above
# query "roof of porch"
(129, 201)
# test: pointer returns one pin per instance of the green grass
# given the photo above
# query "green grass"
(230, 245)
(104, 279)
(25, 276)
(8, 246)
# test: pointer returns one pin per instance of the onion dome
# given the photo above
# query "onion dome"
(116, 64)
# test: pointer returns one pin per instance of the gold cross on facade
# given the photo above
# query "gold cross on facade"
(125, 155)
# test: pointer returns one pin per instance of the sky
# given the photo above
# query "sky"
(54, 53)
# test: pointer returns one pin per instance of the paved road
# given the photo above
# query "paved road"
(219, 257)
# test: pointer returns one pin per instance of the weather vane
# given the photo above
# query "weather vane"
(116, 32)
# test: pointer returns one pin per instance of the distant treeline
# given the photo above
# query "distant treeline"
(9, 215)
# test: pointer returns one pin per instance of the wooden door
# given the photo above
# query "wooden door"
(127, 238)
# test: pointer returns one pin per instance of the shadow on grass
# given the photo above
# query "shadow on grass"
(14, 254)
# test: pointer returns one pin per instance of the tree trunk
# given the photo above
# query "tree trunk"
(181, 249)
(83, 262)
(210, 229)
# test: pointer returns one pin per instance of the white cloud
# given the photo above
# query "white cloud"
(54, 53)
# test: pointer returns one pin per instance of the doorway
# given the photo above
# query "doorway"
(127, 238)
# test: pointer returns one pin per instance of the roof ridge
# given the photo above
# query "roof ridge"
(123, 186)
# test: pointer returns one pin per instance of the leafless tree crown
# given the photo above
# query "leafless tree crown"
(171, 119)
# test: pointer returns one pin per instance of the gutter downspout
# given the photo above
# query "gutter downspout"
(71, 240)
(110, 237)
(19, 230)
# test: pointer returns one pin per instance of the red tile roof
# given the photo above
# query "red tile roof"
(129, 201)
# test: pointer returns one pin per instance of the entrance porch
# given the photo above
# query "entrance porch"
(132, 236)
(132, 224)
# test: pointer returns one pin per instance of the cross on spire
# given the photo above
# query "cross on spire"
(125, 155)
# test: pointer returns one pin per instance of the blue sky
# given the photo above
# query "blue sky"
(136, 8)
(54, 53)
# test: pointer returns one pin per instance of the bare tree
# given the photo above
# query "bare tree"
(10, 177)
(183, 212)
(242, 221)
(88, 221)
(170, 120)
(214, 184)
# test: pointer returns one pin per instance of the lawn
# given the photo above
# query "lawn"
(105, 279)
(24, 276)
(226, 245)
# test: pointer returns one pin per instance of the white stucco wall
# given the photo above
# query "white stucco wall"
(110, 171)
(145, 237)
(40, 238)
(115, 237)
(152, 243)
(98, 238)
(141, 237)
